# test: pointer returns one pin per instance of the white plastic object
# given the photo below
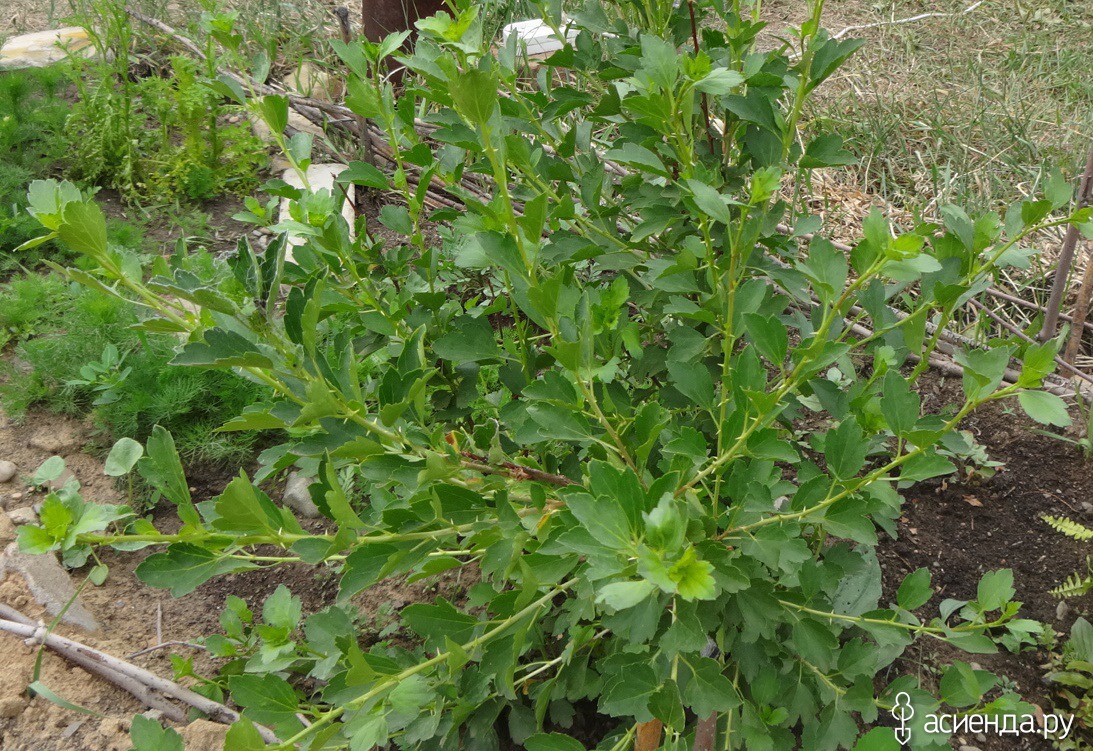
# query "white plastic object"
(539, 38)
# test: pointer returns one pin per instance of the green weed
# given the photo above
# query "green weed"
(75, 353)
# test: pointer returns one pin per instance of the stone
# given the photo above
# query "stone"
(23, 515)
(8, 470)
(49, 583)
(1062, 610)
(203, 735)
(297, 496)
(44, 48)
(57, 440)
(969, 748)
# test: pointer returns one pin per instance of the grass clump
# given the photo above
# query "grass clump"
(32, 117)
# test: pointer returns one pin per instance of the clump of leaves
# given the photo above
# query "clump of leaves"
(1070, 673)
(649, 532)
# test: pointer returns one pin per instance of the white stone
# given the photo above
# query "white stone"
(44, 48)
(7, 470)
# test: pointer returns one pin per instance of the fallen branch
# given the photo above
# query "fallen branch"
(912, 19)
(138, 681)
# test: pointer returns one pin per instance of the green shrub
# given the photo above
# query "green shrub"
(669, 485)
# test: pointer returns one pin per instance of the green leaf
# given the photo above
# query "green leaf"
(899, 404)
(983, 369)
(769, 336)
(264, 698)
(995, 589)
(552, 742)
(84, 228)
(435, 622)
(962, 686)
(826, 151)
(163, 468)
(693, 577)
(282, 609)
(623, 595)
(49, 470)
(97, 575)
(878, 739)
(915, 591)
(719, 81)
(185, 567)
(1045, 408)
(694, 381)
(274, 111)
(362, 173)
(710, 202)
(471, 340)
(628, 695)
(708, 691)
(475, 98)
(845, 449)
(244, 736)
(123, 456)
(148, 735)
(603, 517)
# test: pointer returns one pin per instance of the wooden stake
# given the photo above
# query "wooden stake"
(1066, 260)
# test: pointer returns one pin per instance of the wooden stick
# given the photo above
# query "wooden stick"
(106, 666)
(1081, 310)
(1061, 362)
(1066, 259)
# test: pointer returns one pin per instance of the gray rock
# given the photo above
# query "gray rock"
(297, 498)
(24, 515)
(7, 471)
(49, 583)
(969, 748)
(1062, 610)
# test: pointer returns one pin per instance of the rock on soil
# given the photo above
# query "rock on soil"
(7, 470)
(297, 496)
(45, 578)
(24, 515)
(43, 48)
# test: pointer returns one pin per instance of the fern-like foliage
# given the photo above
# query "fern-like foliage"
(1076, 584)
(1069, 528)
